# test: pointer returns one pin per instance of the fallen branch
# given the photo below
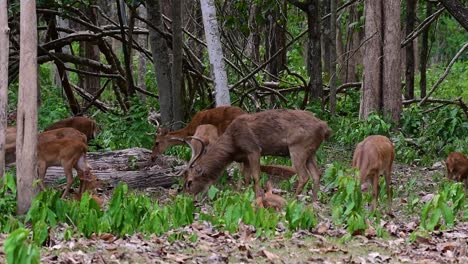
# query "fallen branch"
(447, 71)
(458, 101)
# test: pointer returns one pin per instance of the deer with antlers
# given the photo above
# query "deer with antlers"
(293, 133)
(220, 117)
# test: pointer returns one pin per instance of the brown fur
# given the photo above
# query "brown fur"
(66, 132)
(83, 124)
(90, 185)
(274, 132)
(209, 134)
(65, 152)
(457, 167)
(220, 117)
(10, 145)
(374, 156)
(269, 199)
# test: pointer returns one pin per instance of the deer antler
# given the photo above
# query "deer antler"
(193, 156)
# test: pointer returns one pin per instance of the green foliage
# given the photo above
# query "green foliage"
(347, 202)
(8, 203)
(445, 205)
(19, 249)
(129, 130)
(351, 132)
(298, 216)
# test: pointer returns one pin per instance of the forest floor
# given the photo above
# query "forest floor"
(319, 245)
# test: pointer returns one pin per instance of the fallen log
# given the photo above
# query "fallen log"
(132, 166)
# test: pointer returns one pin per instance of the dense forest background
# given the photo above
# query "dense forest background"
(388, 67)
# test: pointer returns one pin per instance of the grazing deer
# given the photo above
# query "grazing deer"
(457, 167)
(374, 156)
(220, 117)
(66, 132)
(269, 199)
(83, 124)
(293, 133)
(65, 152)
(207, 134)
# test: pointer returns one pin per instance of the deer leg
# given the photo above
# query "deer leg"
(246, 172)
(375, 190)
(388, 187)
(254, 164)
(41, 171)
(299, 163)
(315, 173)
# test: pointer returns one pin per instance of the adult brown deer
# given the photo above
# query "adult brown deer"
(293, 133)
(207, 134)
(65, 152)
(457, 167)
(220, 117)
(374, 156)
(85, 125)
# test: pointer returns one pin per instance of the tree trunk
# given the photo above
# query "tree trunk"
(162, 66)
(89, 50)
(275, 38)
(26, 140)
(458, 10)
(424, 53)
(326, 38)
(215, 52)
(253, 41)
(392, 102)
(314, 51)
(177, 58)
(332, 46)
(4, 51)
(126, 45)
(409, 69)
(143, 41)
(371, 93)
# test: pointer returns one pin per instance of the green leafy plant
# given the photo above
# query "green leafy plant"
(19, 249)
(298, 216)
(443, 206)
(347, 203)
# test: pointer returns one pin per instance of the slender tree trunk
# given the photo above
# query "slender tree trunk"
(162, 67)
(177, 58)
(26, 140)
(91, 51)
(143, 41)
(333, 73)
(253, 41)
(392, 102)
(424, 53)
(4, 51)
(126, 46)
(314, 53)
(326, 38)
(409, 69)
(215, 52)
(371, 93)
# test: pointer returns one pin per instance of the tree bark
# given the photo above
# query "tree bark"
(333, 76)
(126, 46)
(215, 52)
(4, 51)
(371, 93)
(392, 102)
(424, 54)
(89, 50)
(253, 41)
(458, 10)
(143, 41)
(275, 38)
(326, 37)
(409, 69)
(162, 67)
(177, 59)
(314, 50)
(26, 140)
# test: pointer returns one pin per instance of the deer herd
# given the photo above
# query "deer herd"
(222, 135)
